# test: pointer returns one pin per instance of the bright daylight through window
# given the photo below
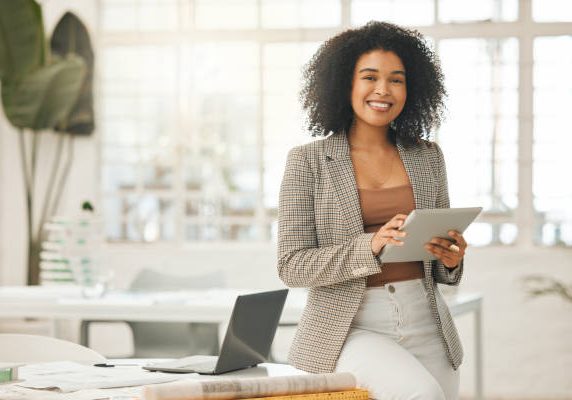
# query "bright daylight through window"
(199, 107)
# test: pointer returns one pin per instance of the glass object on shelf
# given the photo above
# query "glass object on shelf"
(235, 205)
(203, 206)
(221, 231)
(243, 179)
(147, 218)
(239, 205)
(72, 251)
(239, 232)
(552, 10)
(277, 14)
(484, 10)
(119, 177)
(192, 176)
(158, 176)
(552, 97)
(555, 234)
(202, 232)
(410, 12)
(226, 14)
(480, 136)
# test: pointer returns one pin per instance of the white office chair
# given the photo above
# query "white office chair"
(18, 348)
(169, 339)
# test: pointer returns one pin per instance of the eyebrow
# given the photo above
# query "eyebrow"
(400, 72)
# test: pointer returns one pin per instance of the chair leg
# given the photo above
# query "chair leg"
(84, 334)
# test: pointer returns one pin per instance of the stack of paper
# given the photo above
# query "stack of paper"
(335, 386)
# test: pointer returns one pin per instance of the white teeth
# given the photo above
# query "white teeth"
(378, 104)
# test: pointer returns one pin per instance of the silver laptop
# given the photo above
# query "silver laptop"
(247, 340)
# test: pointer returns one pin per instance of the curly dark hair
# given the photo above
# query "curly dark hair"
(327, 81)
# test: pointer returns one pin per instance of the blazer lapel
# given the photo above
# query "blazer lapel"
(422, 180)
(341, 172)
(419, 170)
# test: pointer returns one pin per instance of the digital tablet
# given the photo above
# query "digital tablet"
(422, 226)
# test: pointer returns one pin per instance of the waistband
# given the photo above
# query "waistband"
(410, 272)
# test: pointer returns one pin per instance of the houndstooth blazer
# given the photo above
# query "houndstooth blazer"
(322, 245)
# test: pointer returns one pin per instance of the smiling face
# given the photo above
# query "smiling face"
(378, 89)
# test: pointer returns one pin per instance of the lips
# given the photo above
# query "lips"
(379, 105)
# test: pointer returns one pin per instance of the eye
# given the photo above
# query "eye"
(397, 80)
(369, 78)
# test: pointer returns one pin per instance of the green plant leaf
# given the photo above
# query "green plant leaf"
(45, 97)
(22, 43)
(71, 36)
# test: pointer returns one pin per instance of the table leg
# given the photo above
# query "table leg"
(478, 354)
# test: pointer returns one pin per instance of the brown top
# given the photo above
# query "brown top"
(377, 207)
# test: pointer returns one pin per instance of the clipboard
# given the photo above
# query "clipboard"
(423, 225)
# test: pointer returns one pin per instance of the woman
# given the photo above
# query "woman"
(379, 91)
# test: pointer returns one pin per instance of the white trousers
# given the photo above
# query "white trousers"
(394, 349)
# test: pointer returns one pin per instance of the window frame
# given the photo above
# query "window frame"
(524, 29)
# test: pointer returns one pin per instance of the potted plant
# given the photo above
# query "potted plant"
(44, 91)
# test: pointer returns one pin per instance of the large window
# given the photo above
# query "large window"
(199, 107)
(552, 140)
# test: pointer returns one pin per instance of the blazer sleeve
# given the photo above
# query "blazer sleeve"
(301, 262)
(441, 273)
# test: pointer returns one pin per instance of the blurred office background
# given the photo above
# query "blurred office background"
(197, 107)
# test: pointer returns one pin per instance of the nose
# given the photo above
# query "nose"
(381, 88)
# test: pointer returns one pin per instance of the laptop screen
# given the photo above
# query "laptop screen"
(251, 330)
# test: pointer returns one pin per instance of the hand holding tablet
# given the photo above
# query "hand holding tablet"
(430, 227)
(449, 251)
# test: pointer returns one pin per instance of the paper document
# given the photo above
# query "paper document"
(13, 392)
(237, 388)
(70, 376)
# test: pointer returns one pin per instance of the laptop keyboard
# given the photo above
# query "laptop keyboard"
(201, 366)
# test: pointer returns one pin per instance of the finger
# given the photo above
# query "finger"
(443, 253)
(394, 223)
(459, 239)
(454, 248)
(400, 216)
(395, 242)
(444, 243)
(391, 233)
(436, 250)
(397, 219)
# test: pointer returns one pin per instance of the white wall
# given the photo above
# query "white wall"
(527, 346)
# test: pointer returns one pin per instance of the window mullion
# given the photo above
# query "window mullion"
(525, 212)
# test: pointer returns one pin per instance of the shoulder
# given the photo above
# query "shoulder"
(308, 153)
(432, 149)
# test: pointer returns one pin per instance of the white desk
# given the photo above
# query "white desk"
(14, 392)
(59, 303)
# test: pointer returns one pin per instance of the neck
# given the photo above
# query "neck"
(369, 137)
